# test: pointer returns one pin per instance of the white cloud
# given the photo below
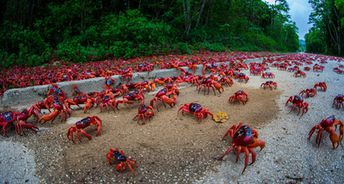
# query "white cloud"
(299, 12)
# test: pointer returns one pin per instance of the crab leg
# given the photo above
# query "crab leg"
(247, 157)
(129, 165)
(86, 134)
(238, 150)
(253, 155)
(226, 153)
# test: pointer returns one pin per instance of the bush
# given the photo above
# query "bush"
(183, 48)
(27, 47)
(217, 47)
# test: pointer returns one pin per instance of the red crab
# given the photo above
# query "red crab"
(165, 98)
(239, 96)
(107, 100)
(144, 67)
(144, 112)
(109, 82)
(18, 120)
(132, 96)
(299, 73)
(208, 83)
(196, 109)
(127, 74)
(81, 98)
(338, 101)
(226, 81)
(321, 85)
(338, 70)
(293, 69)
(242, 77)
(59, 109)
(307, 68)
(308, 92)
(116, 156)
(244, 140)
(329, 124)
(79, 127)
(269, 84)
(298, 103)
(255, 71)
(56, 91)
(268, 75)
(318, 68)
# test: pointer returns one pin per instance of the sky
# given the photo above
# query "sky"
(299, 12)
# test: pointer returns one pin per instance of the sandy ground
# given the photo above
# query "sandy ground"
(288, 156)
(169, 148)
(174, 148)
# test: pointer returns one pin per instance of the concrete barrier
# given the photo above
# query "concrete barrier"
(24, 97)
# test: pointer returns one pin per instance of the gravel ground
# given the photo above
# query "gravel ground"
(288, 157)
(17, 163)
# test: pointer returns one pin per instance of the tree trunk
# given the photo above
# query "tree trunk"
(200, 12)
(186, 7)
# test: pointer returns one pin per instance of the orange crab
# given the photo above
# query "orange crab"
(328, 124)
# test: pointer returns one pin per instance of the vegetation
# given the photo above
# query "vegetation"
(33, 32)
(327, 34)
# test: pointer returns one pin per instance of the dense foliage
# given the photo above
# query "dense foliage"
(327, 34)
(34, 31)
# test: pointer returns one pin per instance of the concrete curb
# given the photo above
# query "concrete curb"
(24, 97)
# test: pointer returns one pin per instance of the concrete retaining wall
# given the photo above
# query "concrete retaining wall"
(24, 97)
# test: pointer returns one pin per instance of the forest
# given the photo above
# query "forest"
(34, 32)
(327, 34)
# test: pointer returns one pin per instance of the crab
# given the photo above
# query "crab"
(321, 85)
(242, 77)
(338, 70)
(117, 157)
(59, 109)
(79, 127)
(328, 124)
(244, 140)
(299, 73)
(107, 100)
(144, 112)
(239, 96)
(293, 69)
(269, 84)
(144, 67)
(308, 92)
(318, 68)
(18, 120)
(77, 100)
(226, 81)
(56, 91)
(298, 103)
(307, 68)
(127, 74)
(109, 82)
(172, 89)
(164, 97)
(208, 83)
(132, 96)
(255, 71)
(197, 110)
(338, 101)
(268, 75)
